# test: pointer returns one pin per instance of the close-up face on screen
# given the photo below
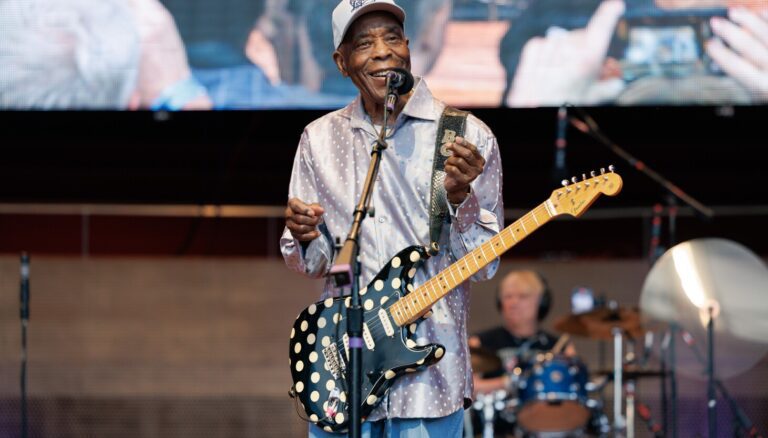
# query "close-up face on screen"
(259, 54)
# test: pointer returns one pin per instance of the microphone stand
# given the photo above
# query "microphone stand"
(346, 273)
(589, 126)
(24, 313)
(743, 425)
(711, 391)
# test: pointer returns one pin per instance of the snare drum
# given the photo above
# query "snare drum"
(552, 395)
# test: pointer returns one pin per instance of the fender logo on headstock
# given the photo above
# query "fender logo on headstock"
(576, 206)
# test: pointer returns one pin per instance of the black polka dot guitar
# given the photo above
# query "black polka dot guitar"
(392, 306)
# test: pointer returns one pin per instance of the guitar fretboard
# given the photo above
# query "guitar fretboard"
(419, 301)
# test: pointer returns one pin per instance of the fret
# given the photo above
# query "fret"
(534, 218)
(414, 297)
(493, 249)
(437, 293)
(428, 298)
(396, 310)
(522, 224)
(454, 278)
(512, 232)
(471, 254)
(445, 287)
(479, 266)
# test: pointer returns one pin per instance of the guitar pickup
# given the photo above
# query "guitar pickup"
(386, 323)
(367, 339)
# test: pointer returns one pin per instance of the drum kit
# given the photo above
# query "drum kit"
(551, 394)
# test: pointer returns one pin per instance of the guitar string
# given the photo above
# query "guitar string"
(375, 321)
(529, 218)
(372, 329)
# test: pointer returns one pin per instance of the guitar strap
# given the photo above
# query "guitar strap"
(451, 125)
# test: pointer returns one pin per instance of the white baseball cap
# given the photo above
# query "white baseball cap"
(348, 11)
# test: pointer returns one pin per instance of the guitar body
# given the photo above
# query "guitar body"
(319, 346)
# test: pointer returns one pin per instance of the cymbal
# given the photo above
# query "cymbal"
(483, 361)
(599, 323)
(702, 274)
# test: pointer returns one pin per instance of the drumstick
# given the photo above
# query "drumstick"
(561, 343)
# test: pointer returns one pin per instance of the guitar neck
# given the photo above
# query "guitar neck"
(419, 301)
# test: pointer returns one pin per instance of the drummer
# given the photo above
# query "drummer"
(523, 300)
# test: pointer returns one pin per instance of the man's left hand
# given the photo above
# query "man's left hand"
(461, 168)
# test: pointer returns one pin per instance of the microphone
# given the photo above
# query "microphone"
(24, 290)
(400, 80)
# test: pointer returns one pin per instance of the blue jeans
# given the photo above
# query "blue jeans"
(451, 426)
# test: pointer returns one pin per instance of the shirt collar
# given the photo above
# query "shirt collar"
(421, 105)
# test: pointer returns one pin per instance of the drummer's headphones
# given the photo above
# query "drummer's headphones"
(545, 302)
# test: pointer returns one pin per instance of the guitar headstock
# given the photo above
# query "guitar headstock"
(576, 196)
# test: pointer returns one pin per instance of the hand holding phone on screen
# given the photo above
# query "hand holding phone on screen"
(744, 56)
(566, 66)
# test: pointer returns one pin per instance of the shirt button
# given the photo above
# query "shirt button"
(382, 219)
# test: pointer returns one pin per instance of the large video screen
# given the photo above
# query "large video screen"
(276, 54)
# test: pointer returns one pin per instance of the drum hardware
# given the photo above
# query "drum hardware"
(488, 405)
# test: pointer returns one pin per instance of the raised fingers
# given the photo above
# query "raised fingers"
(745, 40)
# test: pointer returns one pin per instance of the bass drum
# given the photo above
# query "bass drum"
(553, 397)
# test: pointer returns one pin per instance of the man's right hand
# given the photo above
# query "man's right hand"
(302, 219)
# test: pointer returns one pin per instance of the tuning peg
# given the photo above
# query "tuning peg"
(583, 176)
(611, 168)
(602, 171)
(593, 174)
(574, 180)
(564, 183)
